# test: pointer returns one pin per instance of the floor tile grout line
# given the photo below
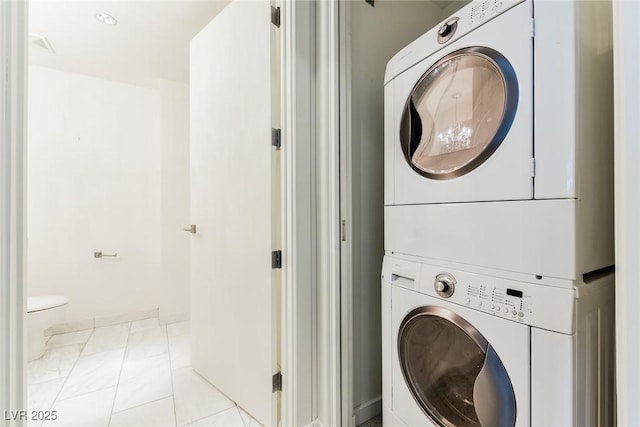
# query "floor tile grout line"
(92, 391)
(240, 415)
(87, 392)
(235, 405)
(173, 391)
(70, 371)
(211, 415)
(141, 404)
(124, 355)
(81, 355)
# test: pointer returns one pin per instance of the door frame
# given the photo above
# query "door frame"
(13, 131)
(298, 339)
(626, 16)
(331, 371)
(348, 417)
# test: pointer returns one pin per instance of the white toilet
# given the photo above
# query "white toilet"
(42, 312)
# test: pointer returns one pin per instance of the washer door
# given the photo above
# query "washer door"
(452, 372)
(458, 113)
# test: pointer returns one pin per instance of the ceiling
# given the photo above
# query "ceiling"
(150, 41)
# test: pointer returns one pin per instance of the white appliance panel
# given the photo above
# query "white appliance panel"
(553, 362)
(533, 237)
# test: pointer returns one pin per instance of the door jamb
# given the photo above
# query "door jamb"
(13, 91)
(328, 224)
(627, 208)
(298, 340)
(346, 218)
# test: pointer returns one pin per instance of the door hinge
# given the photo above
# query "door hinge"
(343, 230)
(533, 168)
(532, 27)
(276, 139)
(276, 259)
(276, 382)
(275, 16)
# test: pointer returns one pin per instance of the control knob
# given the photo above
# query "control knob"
(444, 285)
(447, 30)
(444, 30)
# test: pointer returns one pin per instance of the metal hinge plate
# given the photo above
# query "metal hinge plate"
(533, 168)
(532, 27)
(275, 16)
(276, 382)
(276, 139)
(276, 259)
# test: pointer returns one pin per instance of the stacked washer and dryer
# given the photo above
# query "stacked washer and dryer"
(497, 281)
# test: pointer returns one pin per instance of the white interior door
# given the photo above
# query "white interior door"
(234, 205)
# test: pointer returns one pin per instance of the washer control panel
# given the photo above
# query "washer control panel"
(511, 302)
(528, 302)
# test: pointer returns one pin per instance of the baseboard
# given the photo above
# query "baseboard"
(165, 319)
(127, 317)
(63, 328)
(368, 410)
(98, 322)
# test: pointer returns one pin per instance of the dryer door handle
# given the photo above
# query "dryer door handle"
(493, 395)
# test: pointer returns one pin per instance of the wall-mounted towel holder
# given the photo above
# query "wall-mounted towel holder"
(101, 255)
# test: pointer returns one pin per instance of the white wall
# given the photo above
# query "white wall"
(626, 17)
(94, 184)
(371, 49)
(174, 200)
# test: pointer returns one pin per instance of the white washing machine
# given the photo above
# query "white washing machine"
(467, 349)
(498, 131)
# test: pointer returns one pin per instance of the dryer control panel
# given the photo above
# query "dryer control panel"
(481, 11)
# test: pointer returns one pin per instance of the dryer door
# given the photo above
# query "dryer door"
(452, 372)
(458, 113)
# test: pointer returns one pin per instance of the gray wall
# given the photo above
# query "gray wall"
(377, 33)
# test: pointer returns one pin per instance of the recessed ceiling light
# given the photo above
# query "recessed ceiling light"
(107, 19)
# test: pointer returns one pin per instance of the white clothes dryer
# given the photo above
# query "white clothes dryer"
(462, 113)
(467, 349)
(499, 103)
(499, 139)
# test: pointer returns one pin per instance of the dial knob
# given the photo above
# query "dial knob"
(447, 29)
(441, 286)
(444, 30)
(444, 285)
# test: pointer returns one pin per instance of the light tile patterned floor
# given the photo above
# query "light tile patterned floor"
(130, 374)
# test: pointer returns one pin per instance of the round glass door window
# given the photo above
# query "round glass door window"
(458, 113)
(452, 372)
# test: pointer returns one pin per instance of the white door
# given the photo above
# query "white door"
(234, 205)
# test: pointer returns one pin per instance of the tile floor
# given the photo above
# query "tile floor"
(130, 374)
